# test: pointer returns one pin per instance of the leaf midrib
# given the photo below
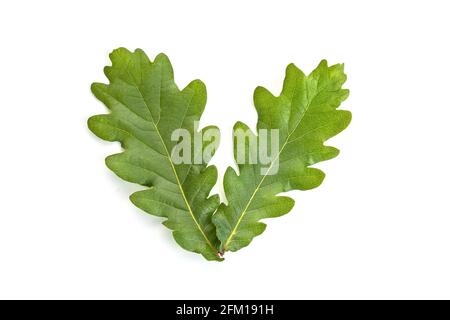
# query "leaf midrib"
(233, 232)
(176, 174)
(182, 191)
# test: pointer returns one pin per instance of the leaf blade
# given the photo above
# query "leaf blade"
(306, 116)
(145, 107)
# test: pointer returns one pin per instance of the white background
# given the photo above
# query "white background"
(378, 227)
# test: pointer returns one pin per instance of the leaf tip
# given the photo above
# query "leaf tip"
(240, 125)
(291, 67)
(139, 51)
(259, 90)
(96, 87)
(199, 89)
(162, 58)
(292, 71)
(345, 94)
(323, 63)
(91, 123)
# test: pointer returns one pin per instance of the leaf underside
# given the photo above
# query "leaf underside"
(145, 107)
(306, 115)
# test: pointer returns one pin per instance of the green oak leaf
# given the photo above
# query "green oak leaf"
(306, 116)
(146, 106)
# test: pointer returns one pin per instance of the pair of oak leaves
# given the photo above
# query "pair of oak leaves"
(146, 106)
